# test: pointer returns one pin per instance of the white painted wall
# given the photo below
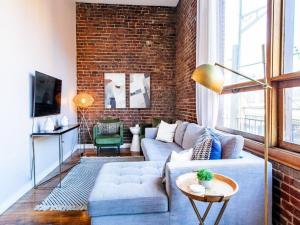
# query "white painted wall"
(34, 35)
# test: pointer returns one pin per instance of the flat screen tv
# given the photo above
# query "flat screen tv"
(47, 95)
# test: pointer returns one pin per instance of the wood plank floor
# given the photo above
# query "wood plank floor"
(22, 213)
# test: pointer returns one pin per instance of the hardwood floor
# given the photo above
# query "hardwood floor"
(22, 213)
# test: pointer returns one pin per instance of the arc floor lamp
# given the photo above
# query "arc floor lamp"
(211, 77)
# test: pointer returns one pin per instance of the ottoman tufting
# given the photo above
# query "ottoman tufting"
(129, 188)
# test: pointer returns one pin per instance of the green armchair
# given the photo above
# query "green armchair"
(108, 138)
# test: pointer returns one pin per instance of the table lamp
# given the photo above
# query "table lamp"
(211, 77)
(82, 101)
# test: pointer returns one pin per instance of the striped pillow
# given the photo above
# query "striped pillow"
(202, 147)
(108, 128)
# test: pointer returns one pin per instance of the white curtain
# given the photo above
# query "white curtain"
(207, 102)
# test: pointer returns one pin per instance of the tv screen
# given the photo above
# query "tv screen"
(47, 95)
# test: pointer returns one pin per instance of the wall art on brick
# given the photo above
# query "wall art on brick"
(115, 90)
(139, 90)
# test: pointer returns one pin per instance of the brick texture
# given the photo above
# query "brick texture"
(185, 105)
(120, 38)
(286, 195)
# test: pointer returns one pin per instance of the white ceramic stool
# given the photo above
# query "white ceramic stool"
(135, 145)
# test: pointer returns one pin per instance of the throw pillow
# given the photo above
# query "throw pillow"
(108, 128)
(182, 156)
(181, 127)
(202, 146)
(216, 149)
(166, 132)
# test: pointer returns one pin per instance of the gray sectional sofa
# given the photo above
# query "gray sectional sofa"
(132, 193)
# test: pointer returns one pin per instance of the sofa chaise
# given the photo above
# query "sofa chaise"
(132, 193)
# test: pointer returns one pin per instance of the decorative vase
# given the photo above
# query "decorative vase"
(205, 183)
(48, 125)
(64, 121)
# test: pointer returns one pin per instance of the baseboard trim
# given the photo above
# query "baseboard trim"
(91, 146)
(6, 204)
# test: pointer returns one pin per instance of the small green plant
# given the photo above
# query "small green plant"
(204, 175)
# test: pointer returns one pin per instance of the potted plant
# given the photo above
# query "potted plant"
(204, 177)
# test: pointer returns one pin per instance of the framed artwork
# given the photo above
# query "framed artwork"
(139, 90)
(114, 90)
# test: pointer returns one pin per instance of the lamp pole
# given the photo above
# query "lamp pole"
(267, 89)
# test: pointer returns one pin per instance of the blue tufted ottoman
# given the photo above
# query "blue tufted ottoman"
(129, 193)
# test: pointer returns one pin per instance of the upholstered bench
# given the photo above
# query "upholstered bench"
(129, 193)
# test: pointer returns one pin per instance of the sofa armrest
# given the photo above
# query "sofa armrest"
(151, 132)
(247, 172)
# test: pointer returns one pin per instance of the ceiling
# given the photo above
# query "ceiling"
(171, 3)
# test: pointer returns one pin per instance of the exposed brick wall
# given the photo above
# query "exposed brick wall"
(286, 195)
(185, 105)
(119, 38)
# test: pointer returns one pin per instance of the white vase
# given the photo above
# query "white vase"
(48, 125)
(64, 121)
(205, 183)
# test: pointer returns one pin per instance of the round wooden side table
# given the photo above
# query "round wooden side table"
(222, 189)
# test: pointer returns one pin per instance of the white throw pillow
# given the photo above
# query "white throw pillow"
(182, 156)
(166, 132)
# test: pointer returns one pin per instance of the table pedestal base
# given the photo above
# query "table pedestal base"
(202, 218)
(135, 145)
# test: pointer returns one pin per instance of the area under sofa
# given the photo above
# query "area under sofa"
(133, 193)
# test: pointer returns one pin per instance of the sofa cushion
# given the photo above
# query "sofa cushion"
(155, 150)
(232, 145)
(181, 127)
(128, 188)
(192, 132)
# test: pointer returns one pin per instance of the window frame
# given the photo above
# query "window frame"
(278, 79)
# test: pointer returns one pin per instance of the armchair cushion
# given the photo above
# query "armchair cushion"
(108, 128)
(108, 139)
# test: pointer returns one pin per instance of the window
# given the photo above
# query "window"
(243, 111)
(289, 79)
(243, 34)
(292, 115)
(243, 39)
(292, 36)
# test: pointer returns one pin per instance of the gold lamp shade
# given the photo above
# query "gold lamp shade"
(83, 100)
(210, 77)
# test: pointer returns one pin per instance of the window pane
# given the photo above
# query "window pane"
(242, 36)
(243, 111)
(292, 36)
(292, 115)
